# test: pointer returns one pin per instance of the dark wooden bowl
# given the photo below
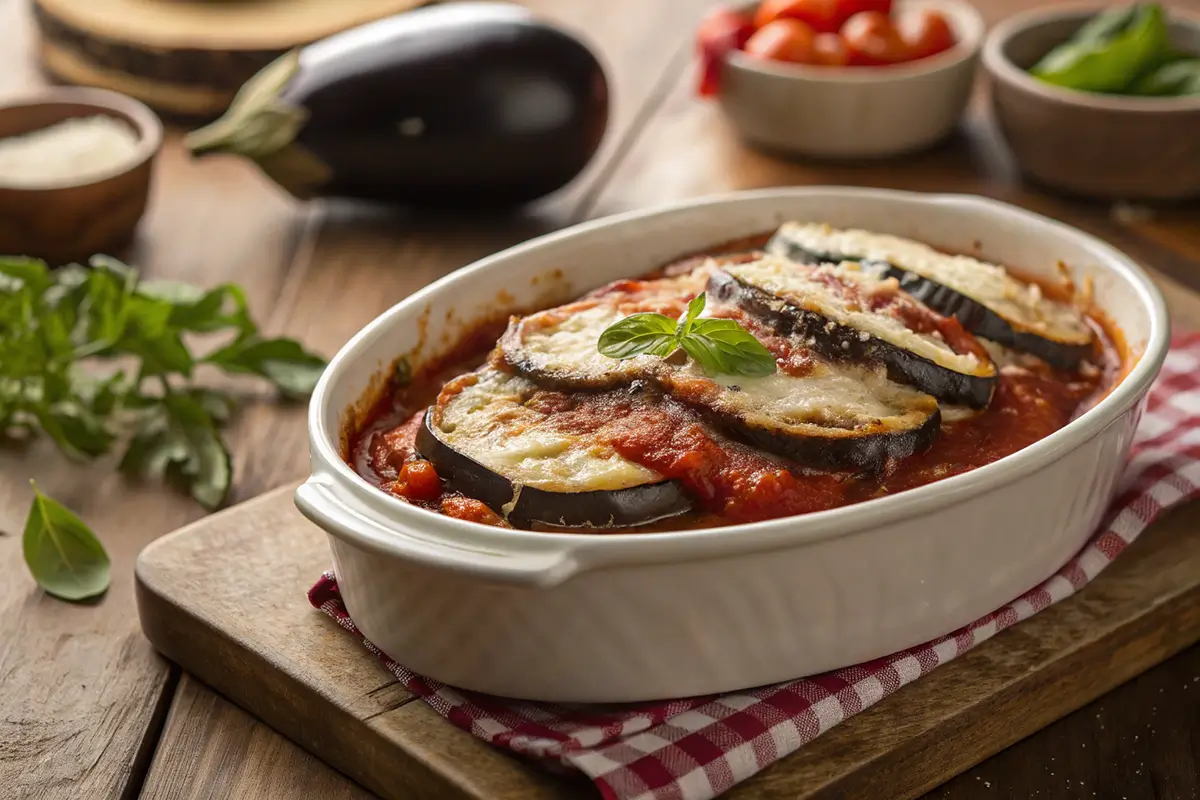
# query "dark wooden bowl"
(1095, 145)
(71, 221)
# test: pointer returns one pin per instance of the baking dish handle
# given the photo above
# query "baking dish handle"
(330, 509)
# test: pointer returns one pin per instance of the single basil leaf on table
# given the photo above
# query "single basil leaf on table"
(1174, 79)
(652, 334)
(722, 346)
(62, 553)
(1108, 53)
(284, 362)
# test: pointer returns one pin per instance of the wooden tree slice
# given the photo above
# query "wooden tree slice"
(186, 56)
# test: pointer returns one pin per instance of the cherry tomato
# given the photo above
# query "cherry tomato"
(830, 50)
(418, 480)
(721, 31)
(925, 33)
(872, 40)
(825, 16)
(783, 40)
(848, 8)
(820, 15)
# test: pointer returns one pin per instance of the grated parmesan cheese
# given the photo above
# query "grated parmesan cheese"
(74, 151)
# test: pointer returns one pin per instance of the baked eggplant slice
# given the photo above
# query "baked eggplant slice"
(983, 297)
(557, 347)
(834, 415)
(848, 315)
(490, 443)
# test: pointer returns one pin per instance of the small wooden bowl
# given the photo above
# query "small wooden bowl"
(70, 221)
(855, 112)
(1094, 145)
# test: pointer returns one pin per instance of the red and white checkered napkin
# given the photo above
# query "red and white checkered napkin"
(696, 748)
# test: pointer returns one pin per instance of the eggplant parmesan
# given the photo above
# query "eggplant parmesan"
(870, 380)
(832, 414)
(851, 315)
(984, 297)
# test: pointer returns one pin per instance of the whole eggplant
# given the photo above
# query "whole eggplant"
(459, 104)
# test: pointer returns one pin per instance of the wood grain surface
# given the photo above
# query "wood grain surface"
(82, 695)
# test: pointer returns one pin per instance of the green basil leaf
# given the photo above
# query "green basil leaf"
(218, 405)
(106, 306)
(179, 439)
(79, 434)
(62, 553)
(652, 334)
(693, 310)
(160, 355)
(30, 272)
(207, 472)
(193, 309)
(721, 346)
(284, 362)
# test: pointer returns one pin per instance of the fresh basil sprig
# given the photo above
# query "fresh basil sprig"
(93, 356)
(719, 346)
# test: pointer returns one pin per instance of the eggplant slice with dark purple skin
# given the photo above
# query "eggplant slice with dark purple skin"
(983, 297)
(834, 416)
(823, 306)
(483, 438)
(455, 105)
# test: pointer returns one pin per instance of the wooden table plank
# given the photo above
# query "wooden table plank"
(81, 691)
(237, 751)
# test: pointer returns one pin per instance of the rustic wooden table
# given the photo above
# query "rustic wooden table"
(89, 710)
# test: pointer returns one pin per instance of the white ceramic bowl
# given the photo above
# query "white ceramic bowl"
(855, 112)
(578, 617)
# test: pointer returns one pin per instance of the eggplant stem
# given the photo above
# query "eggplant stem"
(258, 122)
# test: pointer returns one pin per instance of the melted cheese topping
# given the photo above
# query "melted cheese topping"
(848, 399)
(489, 422)
(565, 347)
(799, 288)
(855, 400)
(1022, 305)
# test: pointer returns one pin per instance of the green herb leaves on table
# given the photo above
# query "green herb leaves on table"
(1121, 51)
(719, 346)
(64, 556)
(94, 356)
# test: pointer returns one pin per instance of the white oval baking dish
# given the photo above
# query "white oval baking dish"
(600, 618)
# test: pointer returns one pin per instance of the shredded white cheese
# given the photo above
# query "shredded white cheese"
(1020, 304)
(74, 151)
(780, 278)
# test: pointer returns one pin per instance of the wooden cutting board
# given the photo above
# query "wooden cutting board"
(186, 57)
(225, 598)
